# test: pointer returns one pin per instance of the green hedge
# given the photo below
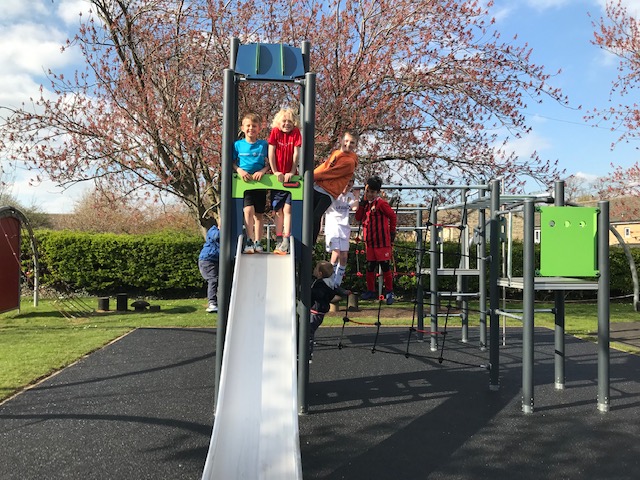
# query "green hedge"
(165, 265)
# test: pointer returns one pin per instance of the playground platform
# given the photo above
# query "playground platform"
(142, 407)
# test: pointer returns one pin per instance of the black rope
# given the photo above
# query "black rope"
(378, 324)
(345, 320)
(419, 276)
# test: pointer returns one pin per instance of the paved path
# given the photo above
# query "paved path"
(626, 333)
(142, 408)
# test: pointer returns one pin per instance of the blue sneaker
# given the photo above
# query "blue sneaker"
(389, 297)
(368, 295)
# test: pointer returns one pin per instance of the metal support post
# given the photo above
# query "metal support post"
(419, 287)
(433, 280)
(559, 336)
(528, 296)
(494, 292)
(308, 128)
(482, 276)
(603, 307)
(461, 281)
(226, 258)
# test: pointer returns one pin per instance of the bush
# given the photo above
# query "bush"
(104, 264)
(165, 265)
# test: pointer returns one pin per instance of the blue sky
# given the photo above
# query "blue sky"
(31, 33)
(559, 31)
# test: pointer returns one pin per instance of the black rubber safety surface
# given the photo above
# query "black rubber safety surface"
(142, 408)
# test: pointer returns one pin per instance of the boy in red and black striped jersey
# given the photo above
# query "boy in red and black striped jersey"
(379, 232)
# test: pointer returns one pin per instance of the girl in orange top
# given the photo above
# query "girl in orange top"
(331, 177)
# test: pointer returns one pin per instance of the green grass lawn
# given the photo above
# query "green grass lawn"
(37, 341)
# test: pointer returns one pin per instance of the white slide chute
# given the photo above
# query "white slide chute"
(255, 431)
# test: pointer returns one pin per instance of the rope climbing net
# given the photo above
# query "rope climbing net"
(415, 331)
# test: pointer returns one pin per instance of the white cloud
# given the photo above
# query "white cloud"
(605, 59)
(69, 10)
(10, 10)
(31, 36)
(45, 11)
(525, 146)
(45, 195)
(27, 52)
(30, 48)
(16, 88)
(502, 13)
(504, 8)
(587, 177)
(633, 6)
(546, 4)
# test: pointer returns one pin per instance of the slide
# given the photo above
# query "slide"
(255, 431)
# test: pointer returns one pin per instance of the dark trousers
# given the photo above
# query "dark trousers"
(209, 271)
(321, 201)
(316, 321)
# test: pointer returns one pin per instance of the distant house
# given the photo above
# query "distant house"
(624, 215)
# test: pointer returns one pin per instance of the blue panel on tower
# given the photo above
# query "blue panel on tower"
(269, 62)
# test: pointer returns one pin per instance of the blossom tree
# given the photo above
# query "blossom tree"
(618, 33)
(431, 88)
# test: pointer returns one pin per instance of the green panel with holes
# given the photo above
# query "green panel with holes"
(568, 241)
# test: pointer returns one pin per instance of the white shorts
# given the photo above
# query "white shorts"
(337, 243)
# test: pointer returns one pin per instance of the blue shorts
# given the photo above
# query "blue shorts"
(279, 198)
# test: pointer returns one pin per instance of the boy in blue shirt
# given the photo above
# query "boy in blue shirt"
(250, 163)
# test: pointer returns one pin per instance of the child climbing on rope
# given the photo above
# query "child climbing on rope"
(331, 177)
(250, 163)
(379, 232)
(322, 292)
(337, 230)
(284, 148)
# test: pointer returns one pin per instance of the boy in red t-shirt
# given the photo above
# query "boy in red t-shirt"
(285, 141)
(379, 232)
